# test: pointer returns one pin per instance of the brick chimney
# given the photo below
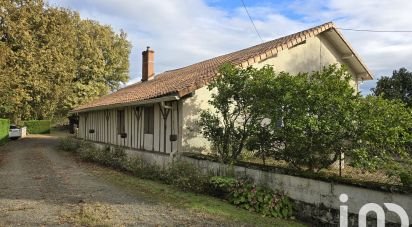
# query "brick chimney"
(147, 64)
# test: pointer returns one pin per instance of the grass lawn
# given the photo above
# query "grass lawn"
(220, 209)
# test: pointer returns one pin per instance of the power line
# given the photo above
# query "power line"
(251, 20)
(376, 31)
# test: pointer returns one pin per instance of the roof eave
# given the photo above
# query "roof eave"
(368, 74)
(121, 105)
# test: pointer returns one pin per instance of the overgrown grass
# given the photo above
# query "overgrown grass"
(217, 208)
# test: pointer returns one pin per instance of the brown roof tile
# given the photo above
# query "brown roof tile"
(187, 79)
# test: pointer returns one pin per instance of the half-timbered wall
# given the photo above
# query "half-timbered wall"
(102, 126)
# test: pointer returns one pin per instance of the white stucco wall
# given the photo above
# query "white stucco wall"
(310, 56)
(192, 140)
(307, 57)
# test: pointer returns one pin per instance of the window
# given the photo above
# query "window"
(121, 126)
(148, 120)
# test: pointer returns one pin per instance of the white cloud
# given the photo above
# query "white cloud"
(185, 32)
(382, 52)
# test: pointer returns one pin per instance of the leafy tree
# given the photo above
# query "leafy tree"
(262, 141)
(101, 64)
(231, 121)
(317, 117)
(52, 61)
(383, 132)
(399, 86)
(266, 140)
(308, 117)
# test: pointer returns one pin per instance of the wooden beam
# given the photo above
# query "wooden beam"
(347, 56)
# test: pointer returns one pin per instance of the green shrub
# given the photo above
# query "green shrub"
(187, 177)
(38, 126)
(114, 157)
(88, 152)
(402, 170)
(221, 186)
(183, 175)
(243, 193)
(145, 170)
(4, 130)
(406, 178)
(135, 165)
(118, 158)
(69, 144)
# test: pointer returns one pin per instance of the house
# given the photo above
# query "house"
(160, 112)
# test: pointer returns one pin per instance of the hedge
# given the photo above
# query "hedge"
(38, 126)
(4, 130)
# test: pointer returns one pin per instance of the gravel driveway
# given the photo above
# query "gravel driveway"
(42, 186)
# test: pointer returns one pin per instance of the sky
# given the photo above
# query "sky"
(183, 32)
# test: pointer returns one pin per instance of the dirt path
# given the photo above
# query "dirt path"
(42, 186)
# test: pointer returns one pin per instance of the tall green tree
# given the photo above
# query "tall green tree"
(383, 132)
(317, 117)
(230, 123)
(398, 86)
(383, 137)
(52, 60)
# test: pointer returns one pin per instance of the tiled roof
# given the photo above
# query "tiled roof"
(186, 80)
